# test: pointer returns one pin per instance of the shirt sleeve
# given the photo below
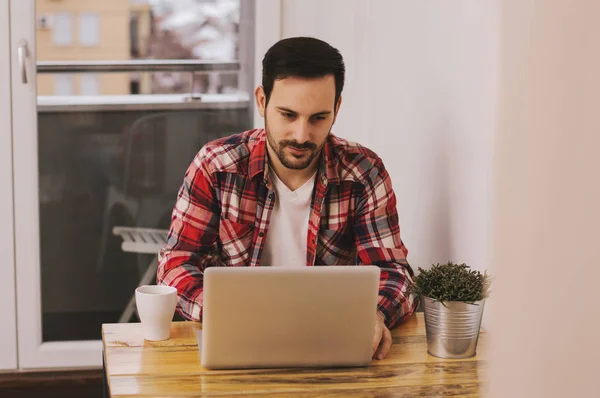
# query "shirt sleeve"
(192, 239)
(377, 234)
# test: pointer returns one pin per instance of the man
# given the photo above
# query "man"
(290, 195)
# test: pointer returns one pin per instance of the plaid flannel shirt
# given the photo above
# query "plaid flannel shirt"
(222, 212)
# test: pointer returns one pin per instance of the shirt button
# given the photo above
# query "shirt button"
(314, 241)
(261, 234)
(319, 200)
(271, 195)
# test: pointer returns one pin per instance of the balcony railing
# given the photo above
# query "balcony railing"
(139, 102)
(145, 65)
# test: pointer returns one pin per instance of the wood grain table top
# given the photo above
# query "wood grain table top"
(140, 368)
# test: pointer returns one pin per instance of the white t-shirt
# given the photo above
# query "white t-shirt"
(285, 244)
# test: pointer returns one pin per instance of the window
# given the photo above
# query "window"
(89, 29)
(62, 34)
(90, 84)
(76, 173)
(63, 84)
(134, 87)
(134, 26)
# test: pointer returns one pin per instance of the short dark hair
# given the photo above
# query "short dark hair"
(302, 57)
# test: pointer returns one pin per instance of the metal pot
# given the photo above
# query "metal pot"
(452, 328)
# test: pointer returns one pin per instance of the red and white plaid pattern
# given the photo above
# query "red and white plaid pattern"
(222, 213)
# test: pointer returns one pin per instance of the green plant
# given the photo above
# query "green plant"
(451, 282)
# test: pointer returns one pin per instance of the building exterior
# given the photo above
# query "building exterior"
(92, 30)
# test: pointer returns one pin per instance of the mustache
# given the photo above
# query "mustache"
(297, 145)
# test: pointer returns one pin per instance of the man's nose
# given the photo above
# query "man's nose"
(301, 131)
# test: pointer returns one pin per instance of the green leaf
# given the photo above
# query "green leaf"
(451, 282)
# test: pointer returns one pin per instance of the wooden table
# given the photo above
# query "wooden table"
(135, 367)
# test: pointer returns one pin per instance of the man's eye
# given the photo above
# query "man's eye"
(319, 117)
(288, 115)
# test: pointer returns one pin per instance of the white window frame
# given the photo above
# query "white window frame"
(32, 352)
(267, 32)
(8, 328)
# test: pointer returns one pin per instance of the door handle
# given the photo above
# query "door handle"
(22, 56)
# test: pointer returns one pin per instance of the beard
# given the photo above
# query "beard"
(292, 159)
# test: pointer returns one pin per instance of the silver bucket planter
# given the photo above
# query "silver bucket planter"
(452, 328)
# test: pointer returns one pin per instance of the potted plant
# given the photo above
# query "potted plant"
(453, 297)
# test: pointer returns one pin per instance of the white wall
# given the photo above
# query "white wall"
(421, 92)
(547, 213)
(8, 329)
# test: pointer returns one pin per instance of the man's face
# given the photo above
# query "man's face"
(298, 118)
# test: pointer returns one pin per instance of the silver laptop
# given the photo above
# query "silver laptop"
(265, 317)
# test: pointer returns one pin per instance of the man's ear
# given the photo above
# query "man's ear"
(261, 100)
(337, 108)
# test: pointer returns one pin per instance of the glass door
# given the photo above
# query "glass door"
(111, 99)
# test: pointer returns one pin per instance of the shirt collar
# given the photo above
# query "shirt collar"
(258, 153)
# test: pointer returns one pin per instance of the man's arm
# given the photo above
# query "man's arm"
(192, 239)
(378, 242)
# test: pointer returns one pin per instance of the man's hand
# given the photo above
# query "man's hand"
(382, 342)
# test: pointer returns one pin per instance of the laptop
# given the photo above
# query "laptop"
(269, 317)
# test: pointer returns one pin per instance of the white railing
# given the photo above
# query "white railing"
(137, 102)
(138, 65)
(140, 102)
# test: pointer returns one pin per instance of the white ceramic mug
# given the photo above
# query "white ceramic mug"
(156, 307)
